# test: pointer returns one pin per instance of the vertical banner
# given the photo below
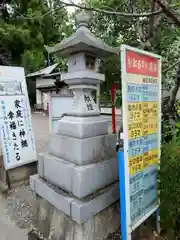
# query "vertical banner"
(17, 138)
(141, 100)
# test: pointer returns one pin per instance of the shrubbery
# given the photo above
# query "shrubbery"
(170, 189)
(169, 183)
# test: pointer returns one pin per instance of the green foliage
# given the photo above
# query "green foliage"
(116, 30)
(171, 55)
(62, 63)
(33, 60)
(170, 189)
(25, 29)
(171, 131)
(169, 184)
(111, 68)
(177, 107)
(30, 25)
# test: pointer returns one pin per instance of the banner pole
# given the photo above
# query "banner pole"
(124, 228)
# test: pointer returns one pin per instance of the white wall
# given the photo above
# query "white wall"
(58, 105)
(38, 96)
(44, 82)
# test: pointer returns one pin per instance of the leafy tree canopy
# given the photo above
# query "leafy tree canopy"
(158, 34)
(25, 27)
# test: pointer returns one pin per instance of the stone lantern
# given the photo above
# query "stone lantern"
(78, 175)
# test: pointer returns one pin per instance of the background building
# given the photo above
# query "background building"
(48, 81)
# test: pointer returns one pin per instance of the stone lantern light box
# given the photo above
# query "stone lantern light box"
(83, 50)
(82, 62)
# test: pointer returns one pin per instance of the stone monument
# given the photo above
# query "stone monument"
(77, 182)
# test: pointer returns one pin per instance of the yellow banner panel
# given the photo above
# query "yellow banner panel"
(150, 158)
(135, 130)
(150, 126)
(135, 111)
(135, 164)
(150, 109)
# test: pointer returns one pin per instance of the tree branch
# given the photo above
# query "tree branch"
(138, 26)
(107, 12)
(172, 66)
(100, 10)
(168, 12)
(158, 18)
(151, 22)
(125, 14)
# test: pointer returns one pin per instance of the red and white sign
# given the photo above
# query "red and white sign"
(137, 63)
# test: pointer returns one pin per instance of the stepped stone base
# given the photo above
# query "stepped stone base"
(78, 210)
(83, 127)
(81, 181)
(83, 151)
(55, 225)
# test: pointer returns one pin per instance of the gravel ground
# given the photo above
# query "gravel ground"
(114, 236)
(19, 206)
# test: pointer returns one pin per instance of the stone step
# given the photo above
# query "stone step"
(82, 127)
(80, 181)
(79, 210)
(83, 151)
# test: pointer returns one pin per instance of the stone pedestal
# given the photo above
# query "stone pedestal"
(78, 177)
(78, 173)
(56, 225)
(82, 163)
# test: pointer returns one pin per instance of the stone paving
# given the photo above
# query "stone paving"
(41, 130)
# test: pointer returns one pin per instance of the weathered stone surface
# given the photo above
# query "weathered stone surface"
(78, 180)
(78, 210)
(57, 225)
(52, 194)
(83, 210)
(41, 163)
(83, 151)
(91, 178)
(82, 127)
(56, 171)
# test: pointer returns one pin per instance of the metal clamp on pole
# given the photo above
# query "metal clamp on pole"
(119, 140)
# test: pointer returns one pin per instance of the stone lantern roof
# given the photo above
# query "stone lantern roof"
(83, 41)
